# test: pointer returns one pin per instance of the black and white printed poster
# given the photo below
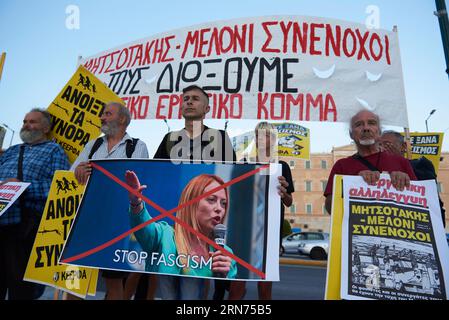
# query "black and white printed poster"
(393, 242)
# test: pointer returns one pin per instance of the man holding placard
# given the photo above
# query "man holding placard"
(369, 161)
(34, 161)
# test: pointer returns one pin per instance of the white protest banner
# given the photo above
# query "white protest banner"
(393, 243)
(9, 193)
(294, 68)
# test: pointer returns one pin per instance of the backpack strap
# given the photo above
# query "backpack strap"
(95, 147)
(368, 164)
(130, 147)
(169, 144)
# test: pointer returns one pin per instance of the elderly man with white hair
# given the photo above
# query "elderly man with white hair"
(116, 143)
(369, 161)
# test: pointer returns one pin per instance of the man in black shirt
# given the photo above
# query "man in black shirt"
(196, 141)
(393, 142)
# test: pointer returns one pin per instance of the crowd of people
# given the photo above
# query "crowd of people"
(37, 158)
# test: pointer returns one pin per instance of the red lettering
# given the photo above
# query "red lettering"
(236, 105)
(161, 106)
(222, 107)
(375, 37)
(329, 107)
(139, 49)
(362, 40)
(269, 37)
(349, 32)
(251, 37)
(175, 101)
(334, 41)
(191, 39)
(158, 49)
(261, 105)
(214, 43)
(138, 106)
(310, 102)
(239, 39)
(314, 38)
(111, 61)
(166, 49)
(202, 42)
(299, 101)
(222, 39)
(118, 67)
(387, 49)
(273, 108)
(300, 37)
(285, 30)
(148, 47)
(95, 66)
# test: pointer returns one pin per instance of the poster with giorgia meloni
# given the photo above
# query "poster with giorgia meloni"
(204, 220)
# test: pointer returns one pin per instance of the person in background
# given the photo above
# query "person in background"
(266, 137)
(114, 144)
(393, 142)
(34, 161)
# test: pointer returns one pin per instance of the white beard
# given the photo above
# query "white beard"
(367, 142)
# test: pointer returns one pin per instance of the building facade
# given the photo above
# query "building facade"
(310, 179)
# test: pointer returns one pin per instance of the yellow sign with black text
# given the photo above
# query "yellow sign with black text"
(427, 145)
(76, 111)
(293, 141)
(63, 200)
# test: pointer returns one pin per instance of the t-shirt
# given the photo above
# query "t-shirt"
(212, 144)
(385, 162)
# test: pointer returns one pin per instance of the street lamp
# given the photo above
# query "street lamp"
(431, 112)
(10, 144)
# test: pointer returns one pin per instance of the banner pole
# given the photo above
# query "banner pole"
(408, 144)
(2, 62)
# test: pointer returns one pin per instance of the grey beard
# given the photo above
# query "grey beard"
(31, 136)
(110, 129)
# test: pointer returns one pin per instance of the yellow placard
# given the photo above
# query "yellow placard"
(333, 281)
(293, 141)
(77, 110)
(427, 145)
(244, 146)
(63, 200)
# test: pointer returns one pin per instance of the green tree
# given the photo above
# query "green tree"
(286, 228)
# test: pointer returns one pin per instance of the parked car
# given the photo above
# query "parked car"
(313, 244)
(316, 245)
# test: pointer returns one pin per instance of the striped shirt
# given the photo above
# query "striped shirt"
(40, 161)
(117, 152)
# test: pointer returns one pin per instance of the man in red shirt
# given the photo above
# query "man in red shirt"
(369, 161)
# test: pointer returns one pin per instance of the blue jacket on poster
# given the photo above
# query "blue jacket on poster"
(158, 240)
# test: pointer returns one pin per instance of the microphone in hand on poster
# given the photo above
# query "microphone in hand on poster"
(219, 236)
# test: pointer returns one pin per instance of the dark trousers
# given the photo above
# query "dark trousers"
(16, 242)
(221, 286)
